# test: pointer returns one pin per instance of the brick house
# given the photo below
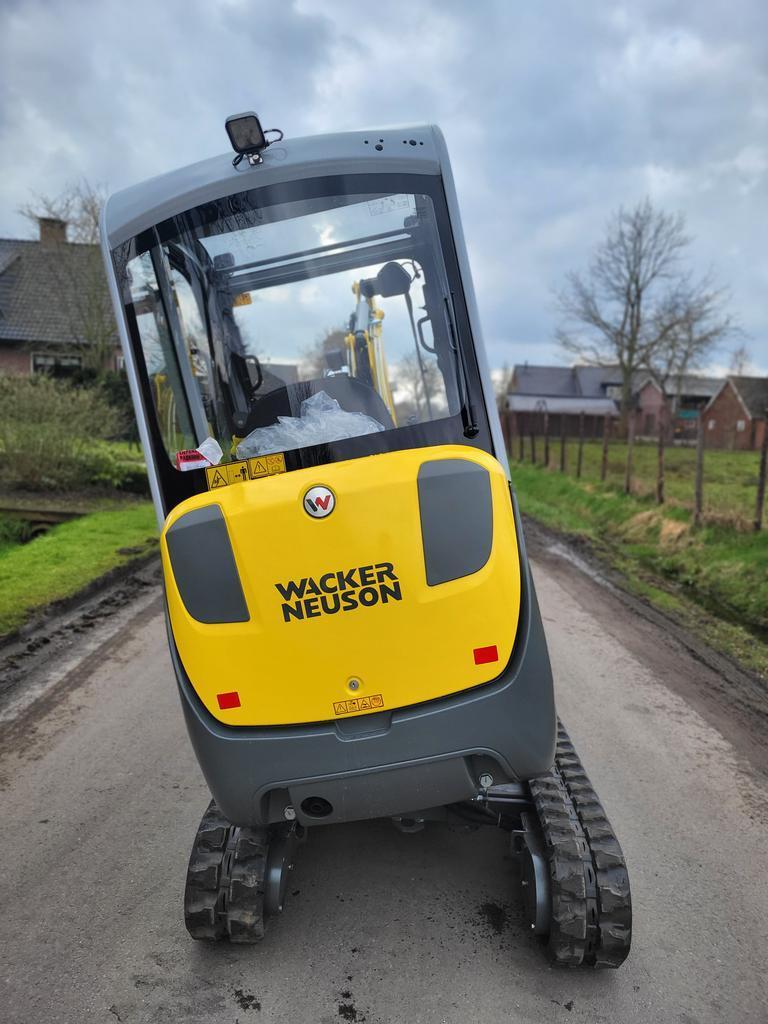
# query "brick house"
(736, 415)
(570, 396)
(55, 311)
(686, 397)
(594, 392)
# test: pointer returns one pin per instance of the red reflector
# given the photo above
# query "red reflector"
(485, 654)
(228, 700)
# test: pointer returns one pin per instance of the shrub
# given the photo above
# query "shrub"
(114, 385)
(14, 531)
(47, 434)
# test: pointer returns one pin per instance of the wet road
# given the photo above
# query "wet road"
(101, 797)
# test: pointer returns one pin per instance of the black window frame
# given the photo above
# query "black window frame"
(176, 486)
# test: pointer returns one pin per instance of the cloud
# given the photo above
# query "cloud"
(554, 116)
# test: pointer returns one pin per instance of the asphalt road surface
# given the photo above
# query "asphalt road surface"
(101, 797)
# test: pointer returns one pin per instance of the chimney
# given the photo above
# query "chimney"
(53, 232)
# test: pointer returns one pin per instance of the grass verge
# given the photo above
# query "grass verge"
(713, 579)
(69, 557)
(730, 477)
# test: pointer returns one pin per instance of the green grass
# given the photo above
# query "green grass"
(714, 578)
(70, 556)
(730, 478)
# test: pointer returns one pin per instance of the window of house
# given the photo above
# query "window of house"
(56, 364)
(741, 425)
(710, 425)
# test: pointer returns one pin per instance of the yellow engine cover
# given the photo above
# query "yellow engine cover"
(400, 643)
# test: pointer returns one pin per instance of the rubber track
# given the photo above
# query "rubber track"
(224, 894)
(591, 901)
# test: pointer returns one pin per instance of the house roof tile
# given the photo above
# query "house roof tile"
(45, 291)
(753, 392)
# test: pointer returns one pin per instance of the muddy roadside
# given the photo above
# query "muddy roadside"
(732, 699)
(42, 653)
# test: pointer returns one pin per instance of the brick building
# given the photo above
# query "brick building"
(55, 311)
(736, 415)
(594, 392)
(685, 398)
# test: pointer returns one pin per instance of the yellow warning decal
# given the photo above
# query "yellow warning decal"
(245, 469)
(216, 478)
(237, 472)
(349, 707)
(275, 463)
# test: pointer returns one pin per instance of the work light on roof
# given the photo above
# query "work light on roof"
(247, 137)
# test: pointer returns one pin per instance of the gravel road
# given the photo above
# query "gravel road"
(101, 796)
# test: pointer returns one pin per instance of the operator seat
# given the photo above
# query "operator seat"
(351, 394)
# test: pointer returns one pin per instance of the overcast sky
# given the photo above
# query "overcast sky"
(555, 114)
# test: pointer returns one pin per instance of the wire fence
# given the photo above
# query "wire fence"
(715, 484)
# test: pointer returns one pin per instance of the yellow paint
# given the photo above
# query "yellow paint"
(244, 299)
(406, 651)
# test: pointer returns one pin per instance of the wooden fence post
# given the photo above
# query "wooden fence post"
(562, 442)
(606, 436)
(580, 458)
(520, 437)
(660, 451)
(698, 493)
(546, 440)
(760, 504)
(630, 446)
(506, 418)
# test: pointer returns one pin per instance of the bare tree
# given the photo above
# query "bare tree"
(421, 385)
(503, 385)
(79, 285)
(691, 321)
(741, 360)
(637, 307)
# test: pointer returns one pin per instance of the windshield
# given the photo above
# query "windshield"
(278, 326)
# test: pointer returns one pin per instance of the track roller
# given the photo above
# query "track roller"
(237, 878)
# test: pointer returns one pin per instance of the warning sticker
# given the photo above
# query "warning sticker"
(245, 469)
(348, 707)
(216, 478)
(237, 472)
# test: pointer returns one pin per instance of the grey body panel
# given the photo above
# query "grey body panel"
(141, 206)
(456, 514)
(507, 727)
(381, 792)
(204, 566)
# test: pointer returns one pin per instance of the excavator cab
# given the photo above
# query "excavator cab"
(351, 616)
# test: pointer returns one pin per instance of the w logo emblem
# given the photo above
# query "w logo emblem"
(319, 502)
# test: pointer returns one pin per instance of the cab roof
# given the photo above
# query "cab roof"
(418, 149)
